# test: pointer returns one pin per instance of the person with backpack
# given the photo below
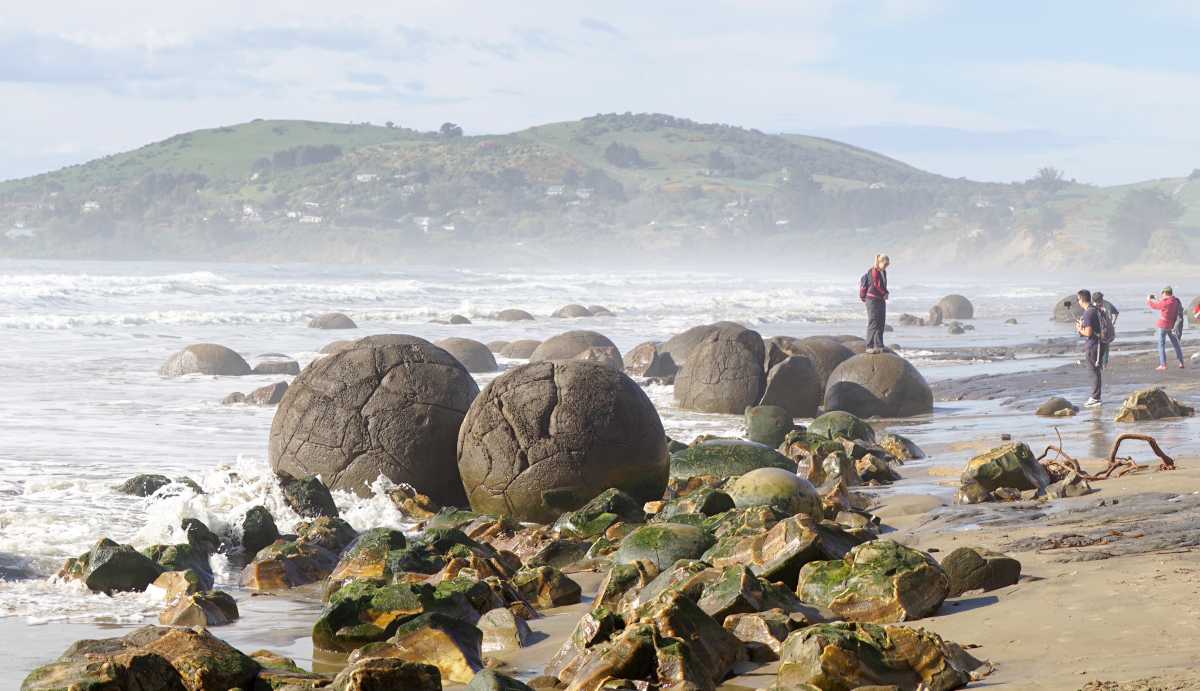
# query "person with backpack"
(1169, 311)
(1090, 326)
(1108, 318)
(873, 291)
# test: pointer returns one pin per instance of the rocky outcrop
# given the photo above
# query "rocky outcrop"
(723, 373)
(205, 358)
(883, 385)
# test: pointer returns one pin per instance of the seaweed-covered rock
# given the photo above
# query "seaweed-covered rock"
(1151, 404)
(520, 349)
(601, 513)
(768, 424)
(726, 458)
(183, 557)
(762, 633)
(257, 530)
(880, 581)
(368, 557)
(1057, 406)
(777, 553)
(388, 410)
(723, 374)
(882, 384)
(777, 488)
(332, 320)
(547, 437)
(663, 544)
(452, 645)
(844, 656)
(973, 568)
(1011, 465)
(840, 424)
(363, 612)
(702, 502)
(377, 673)
(473, 355)
(794, 384)
(110, 568)
(308, 496)
(205, 358)
(595, 627)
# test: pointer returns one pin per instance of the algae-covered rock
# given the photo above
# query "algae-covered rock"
(257, 530)
(726, 458)
(901, 448)
(450, 644)
(698, 504)
(777, 488)
(308, 496)
(143, 485)
(110, 568)
(762, 633)
(375, 673)
(594, 628)
(840, 424)
(1151, 404)
(363, 612)
(503, 630)
(779, 553)
(879, 582)
(598, 515)
(1011, 465)
(973, 568)
(491, 680)
(546, 586)
(367, 558)
(663, 544)
(768, 424)
(209, 608)
(844, 656)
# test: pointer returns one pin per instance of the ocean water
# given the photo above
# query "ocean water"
(83, 407)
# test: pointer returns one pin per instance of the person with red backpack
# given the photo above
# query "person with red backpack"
(873, 291)
(1169, 311)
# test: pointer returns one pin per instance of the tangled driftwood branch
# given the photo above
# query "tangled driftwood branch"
(1063, 463)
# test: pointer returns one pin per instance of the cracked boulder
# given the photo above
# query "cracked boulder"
(883, 385)
(723, 374)
(391, 406)
(547, 437)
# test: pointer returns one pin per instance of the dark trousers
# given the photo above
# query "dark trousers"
(876, 319)
(1095, 365)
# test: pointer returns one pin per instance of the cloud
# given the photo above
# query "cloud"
(592, 24)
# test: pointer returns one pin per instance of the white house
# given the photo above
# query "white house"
(90, 206)
(366, 177)
(307, 218)
(555, 190)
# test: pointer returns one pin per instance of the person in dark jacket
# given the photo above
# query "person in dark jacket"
(1169, 311)
(1109, 310)
(875, 294)
(1088, 326)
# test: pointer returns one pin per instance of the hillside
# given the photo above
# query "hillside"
(279, 190)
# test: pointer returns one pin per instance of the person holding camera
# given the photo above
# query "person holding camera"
(1170, 311)
(1088, 326)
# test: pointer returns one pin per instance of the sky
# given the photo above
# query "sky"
(1106, 91)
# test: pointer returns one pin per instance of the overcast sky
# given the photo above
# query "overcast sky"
(1107, 91)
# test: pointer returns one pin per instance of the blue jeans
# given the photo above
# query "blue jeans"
(1163, 335)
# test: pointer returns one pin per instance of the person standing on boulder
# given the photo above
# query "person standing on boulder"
(1170, 309)
(1088, 327)
(873, 291)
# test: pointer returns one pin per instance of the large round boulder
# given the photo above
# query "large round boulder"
(579, 345)
(332, 320)
(794, 385)
(680, 345)
(497, 346)
(600, 311)
(205, 358)
(389, 410)
(723, 374)
(514, 315)
(473, 355)
(521, 349)
(777, 488)
(547, 437)
(956, 307)
(882, 385)
(825, 353)
(663, 544)
(838, 424)
(1067, 310)
(571, 312)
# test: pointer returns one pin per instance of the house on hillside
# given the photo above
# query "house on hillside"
(366, 177)
(556, 190)
(308, 218)
(90, 206)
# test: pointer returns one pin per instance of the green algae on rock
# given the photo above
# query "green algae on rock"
(726, 458)
(880, 581)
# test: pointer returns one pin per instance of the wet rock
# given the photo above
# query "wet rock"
(680, 346)
(849, 655)
(513, 315)
(458, 320)
(778, 553)
(391, 410)
(110, 568)
(363, 612)
(662, 544)
(579, 345)
(1073, 485)
(601, 513)
(257, 530)
(279, 672)
(622, 579)
(268, 395)
(235, 398)
(700, 503)
(723, 373)
(874, 470)
(841, 425)
(332, 320)
(879, 582)
(205, 358)
(737, 591)
(376, 673)
(795, 385)
(646, 360)
(726, 458)
(974, 568)
(209, 608)
(277, 365)
(182, 557)
(520, 349)
(762, 633)
(1151, 404)
(143, 485)
(1011, 465)
(308, 497)
(777, 488)
(547, 437)
(452, 645)
(768, 424)
(1057, 407)
(571, 311)
(910, 320)
(883, 385)
(503, 630)
(284, 565)
(546, 586)
(367, 558)
(177, 584)
(1067, 310)
(956, 307)
(594, 627)
(491, 680)
(902, 448)
(473, 355)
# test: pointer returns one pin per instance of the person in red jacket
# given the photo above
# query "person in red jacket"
(874, 293)
(1169, 311)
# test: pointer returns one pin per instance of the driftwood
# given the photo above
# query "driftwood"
(1063, 463)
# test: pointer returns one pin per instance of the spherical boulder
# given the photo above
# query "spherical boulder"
(579, 345)
(334, 347)
(388, 410)
(513, 315)
(600, 311)
(680, 345)
(276, 365)
(794, 385)
(768, 424)
(723, 374)
(838, 424)
(332, 320)
(546, 437)
(883, 385)
(956, 307)
(473, 355)
(458, 320)
(778, 488)
(825, 353)
(571, 312)
(663, 544)
(205, 358)
(520, 349)
(497, 346)
(1067, 310)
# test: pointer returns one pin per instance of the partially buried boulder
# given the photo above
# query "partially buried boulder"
(883, 385)
(1151, 404)
(1057, 407)
(841, 425)
(793, 384)
(371, 411)
(878, 582)
(277, 365)
(780, 489)
(1011, 465)
(473, 355)
(520, 349)
(205, 358)
(680, 346)
(332, 320)
(579, 345)
(723, 374)
(956, 307)
(600, 311)
(513, 315)
(647, 360)
(458, 320)
(1067, 310)
(726, 458)
(973, 568)
(546, 437)
(768, 424)
(571, 311)
(111, 568)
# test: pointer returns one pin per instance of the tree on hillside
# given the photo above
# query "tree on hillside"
(1137, 216)
(624, 156)
(450, 130)
(389, 124)
(1048, 180)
